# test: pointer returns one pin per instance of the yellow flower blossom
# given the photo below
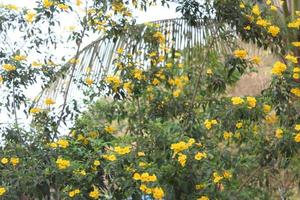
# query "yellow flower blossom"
(182, 159)
(9, 67)
(14, 161)
(271, 118)
(141, 154)
(110, 129)
(216, 177)
(47, 3)
(73, 193)
(200, 155)
(109, 157)
(297, 127)
(30, 16)
(262, 22)
(49, 101)
(247, 28)
(209, 123)
(158, 193)
(227, 135)
(96, 163)
(63, 6)
(279, 133)
(227, 174)
(122, 151)
(297, 138)
(35, 110)
(240, 53)
(89, 81)
(2, 191)
(295, 91)
(4, 161)
(251, 102)
(291, 58)
(267, 108)
(256, 10)
(237, 100)
(296, 44)
(95, 193)
(62, 164)
(62, 143)
(255, 60)
(278, 68)
(159, 37)
(203, 198)
(242, 5)
(274, 30)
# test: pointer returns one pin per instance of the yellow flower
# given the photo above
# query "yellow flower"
(203, 198)
(95, 193)
(155, 81)
(4, 161)
(141, 154)
(74, 61)
(296, 44)
(49, 101)
(267, 108)
(200, 155)
(295, 24)
(274, 30)
(35, 110)
(53, 145)
(279, 133)
(217, 177)
(14, 161)
(256, 10)
(199, 186)
(2, 191)
(159, 37)
(138, 74)
(114, 81)
(109, 157)
(271, 118)
(251, 102)
(237, 100)
(110, 129)
(1, 79)
(239, 125)
(63, 6)
(297, 127)
(143, 188)
(256, 60)
(47, 3)
(296, 70)
(239, 53)
(8, 67)
(158, 193)
(120, 50)
(30, 16)
(176, 93)
(62, 164)
(209, 123)
(73, 193)
(209, 72)
(296, 76)
(242, 5)
(178, 147)
(278, 68)
(227, 135)
(295, 91)
(89, 81)
(297, 137)
(273, 8)
(182, 159)
(122, 151)
(63, 143)
(136, 176)
(262, 22)
(227, 174)
(268, 2)
(291, 58)
(96, 163)
(247, 28)
(78, 2)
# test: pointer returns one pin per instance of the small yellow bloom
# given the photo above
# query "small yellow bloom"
(279, 133)
(217, 177)
(182, 159)
(122, 150)
(203, 198)
(200, 155)
(295, 91)
(297, 138)
(237, 100)
(49, 101)
(9, 67)
(14, 161)
(63, 6)
(256, 10)
(209, 72)
(251, 102)
(96, 163)
(242, 5)
(141, 154)
(110, 129)
(278, 68)
(240, 53)
(89, 81)
(297, 127)
(2, 191)
(4, 161)
(136, 176)
(247, 28)
(62, 164)
(262, 22)
(296, 44)
(267, 108)
(274, 30)
(227, 175)
(176, 93)
(109, 157)
(227, 135)
(291, 58)
(63, 143)
(35, 110)
(158, 193)
(19, 57)
(30, 16)
(256, 60)
(95, 193)
(47, 3)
